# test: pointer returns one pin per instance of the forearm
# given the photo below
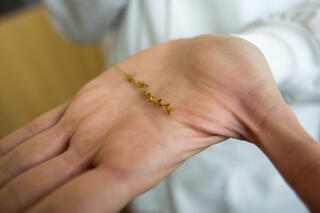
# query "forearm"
(295, 153)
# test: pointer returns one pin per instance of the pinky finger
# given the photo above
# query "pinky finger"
(97, 190)
(31, 129)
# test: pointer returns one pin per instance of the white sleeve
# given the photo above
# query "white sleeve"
(85, 21)
(290, 42)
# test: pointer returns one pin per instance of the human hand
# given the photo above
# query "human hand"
(108, 145)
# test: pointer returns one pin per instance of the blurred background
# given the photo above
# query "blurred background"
(39, 69)
(10, 5)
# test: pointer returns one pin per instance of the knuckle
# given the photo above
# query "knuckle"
(59, 134)
(64, 129)
(76, 156)
(67, 124)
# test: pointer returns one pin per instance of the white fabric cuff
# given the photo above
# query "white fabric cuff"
(292, 56)
(286, 48)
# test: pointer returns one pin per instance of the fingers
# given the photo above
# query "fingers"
(36, 183)
(37, 149)
(97, 190)
(31, 129)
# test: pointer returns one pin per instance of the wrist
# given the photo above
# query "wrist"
(264, 117)
(291, 149)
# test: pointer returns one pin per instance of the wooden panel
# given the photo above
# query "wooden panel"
(38, 69)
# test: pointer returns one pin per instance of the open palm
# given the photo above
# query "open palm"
(108, 144)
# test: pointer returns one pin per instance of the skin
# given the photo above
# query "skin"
(108, 144)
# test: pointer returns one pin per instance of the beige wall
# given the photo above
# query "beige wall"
(38, 69)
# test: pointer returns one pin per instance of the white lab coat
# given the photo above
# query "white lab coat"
(232, 176)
